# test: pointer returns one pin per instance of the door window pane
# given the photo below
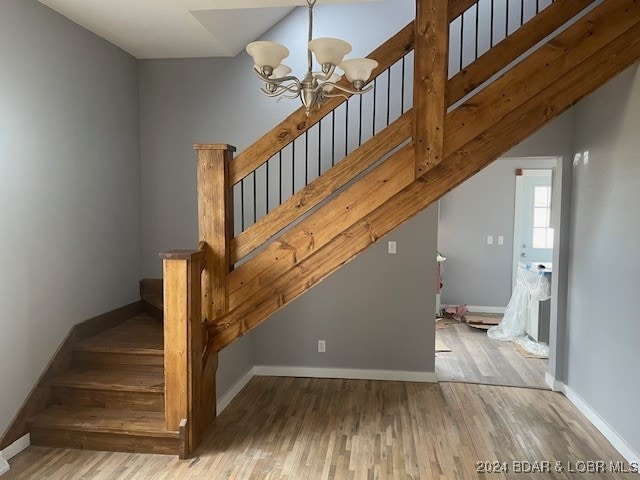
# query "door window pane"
(542, 196)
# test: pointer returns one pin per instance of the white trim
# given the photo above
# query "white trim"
(554, 385)
(12, 450)
(224, 401)
(350, 373)
(596, 420)
(4, 465)
(609, 433)
(482, 309)
(16, 447)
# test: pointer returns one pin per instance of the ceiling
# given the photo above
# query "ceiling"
(178, 28)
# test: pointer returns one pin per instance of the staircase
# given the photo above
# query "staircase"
(317, 190)
(112, 396)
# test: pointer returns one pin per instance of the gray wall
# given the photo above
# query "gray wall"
(69, 187)
(604, 323)
(375, 313)
(476, 273)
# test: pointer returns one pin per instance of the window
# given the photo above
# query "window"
(542, 231)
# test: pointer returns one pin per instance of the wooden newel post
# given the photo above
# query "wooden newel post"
(215, 223)
(183, 343)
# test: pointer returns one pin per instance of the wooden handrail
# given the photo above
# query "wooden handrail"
(512, 46)
(322, 187)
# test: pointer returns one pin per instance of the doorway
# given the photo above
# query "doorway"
(487, 226)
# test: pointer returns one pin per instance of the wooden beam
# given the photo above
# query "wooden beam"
(537, 72)
(215, 223)
(430, 82)
(328, 183)
(574, 84)
(510, 48)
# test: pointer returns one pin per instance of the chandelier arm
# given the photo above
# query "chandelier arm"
(322, 77)
(349, 90)
(277, 81)
(335, 95)
(281, 89)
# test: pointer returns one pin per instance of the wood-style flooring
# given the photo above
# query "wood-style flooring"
(296, 429)
(476, 358)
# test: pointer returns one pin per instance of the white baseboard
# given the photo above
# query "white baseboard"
(12, 450)
(4, 466)
(609, 433)
(554, 385)
(350, 373)
(483, 309)
(230, 394)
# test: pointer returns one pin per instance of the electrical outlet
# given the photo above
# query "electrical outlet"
(392, 248)
(500, 240)
(490, 240)
(322, 347)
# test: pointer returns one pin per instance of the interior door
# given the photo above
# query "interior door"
(536, 234)
(533, 232)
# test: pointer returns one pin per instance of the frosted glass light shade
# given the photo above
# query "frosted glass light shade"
(358, 69)
(281, 71)
(267, 54)
(335, 78)
(329, 50)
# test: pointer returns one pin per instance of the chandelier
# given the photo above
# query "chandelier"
(315, 87)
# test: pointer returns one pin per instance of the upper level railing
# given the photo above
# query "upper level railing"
(281, 167)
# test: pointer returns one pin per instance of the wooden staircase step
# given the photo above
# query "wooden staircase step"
(142, 335)
(103, 429)
(108, 380)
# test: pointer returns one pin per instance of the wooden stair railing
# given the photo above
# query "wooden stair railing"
(377, 186)
(285, 268)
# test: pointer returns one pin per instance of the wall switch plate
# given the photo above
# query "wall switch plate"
(393, 247)
(500, 240)
(322, 347)
(490, 240)
(585, 157)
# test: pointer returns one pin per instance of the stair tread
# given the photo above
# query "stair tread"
(139, 335)
(124, 422)
(111, 380)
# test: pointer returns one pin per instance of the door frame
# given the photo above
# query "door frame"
(517, 219)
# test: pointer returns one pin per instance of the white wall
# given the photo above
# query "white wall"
(604, 306)
(69, 187)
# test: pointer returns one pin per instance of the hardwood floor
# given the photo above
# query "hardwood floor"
(476, 358)
(292, 428)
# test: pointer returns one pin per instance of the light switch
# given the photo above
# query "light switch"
(490, 240)
(500, 240)
(392, 247)
(585, 157)
(576, 159)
